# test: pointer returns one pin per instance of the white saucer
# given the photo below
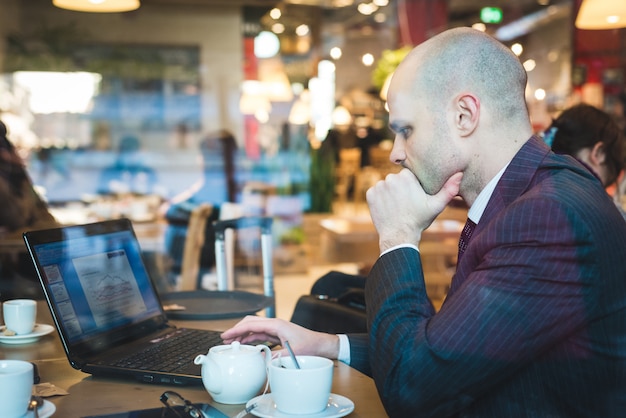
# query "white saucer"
(45, 411)
(39, 331)
(338, 406)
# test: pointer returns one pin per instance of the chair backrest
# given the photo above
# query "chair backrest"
(193, 247)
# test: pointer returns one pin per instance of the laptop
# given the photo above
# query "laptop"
(106, 308)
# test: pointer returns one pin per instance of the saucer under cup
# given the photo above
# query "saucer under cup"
(301, 391)
(19, 315)
(16, 385)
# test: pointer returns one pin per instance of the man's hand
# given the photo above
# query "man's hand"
(303, 341)
(401, 209)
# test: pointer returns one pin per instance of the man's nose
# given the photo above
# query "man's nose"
(397, 155)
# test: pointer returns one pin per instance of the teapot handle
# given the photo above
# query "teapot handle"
(268, 354)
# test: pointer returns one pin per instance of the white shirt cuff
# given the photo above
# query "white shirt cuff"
(400, 246)
(344, 349)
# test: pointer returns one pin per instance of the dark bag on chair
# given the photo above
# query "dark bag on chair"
(336, 305)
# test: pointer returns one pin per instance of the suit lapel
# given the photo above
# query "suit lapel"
(516, 179)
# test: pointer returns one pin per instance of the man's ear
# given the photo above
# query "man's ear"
(597, 155)
(467, 113)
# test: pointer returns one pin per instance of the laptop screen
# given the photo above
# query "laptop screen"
(94, 277)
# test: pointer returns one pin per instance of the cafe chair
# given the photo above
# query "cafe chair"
(347, 171)
(335, 305)
(194, 242)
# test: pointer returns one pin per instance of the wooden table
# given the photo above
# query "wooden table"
(356, 241)
(90, 395)
(350, 240)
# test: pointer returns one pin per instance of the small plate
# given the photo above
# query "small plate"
(39, 331)
(45, 411)
(338, 406)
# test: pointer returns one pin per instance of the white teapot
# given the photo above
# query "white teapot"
(235, 373)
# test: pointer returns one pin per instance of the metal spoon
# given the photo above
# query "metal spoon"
(246, 411)
(293, 356)
(35, 403)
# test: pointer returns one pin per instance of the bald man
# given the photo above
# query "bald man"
(534, 324)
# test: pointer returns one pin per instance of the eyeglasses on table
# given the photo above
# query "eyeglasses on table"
(178, 407)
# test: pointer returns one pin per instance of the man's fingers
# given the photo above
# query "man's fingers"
(449, 191)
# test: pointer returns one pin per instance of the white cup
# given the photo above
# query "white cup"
(19, 315)
(16, 386)
(301, 391)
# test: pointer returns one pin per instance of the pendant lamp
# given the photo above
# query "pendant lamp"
(98, 6)
(601, 14)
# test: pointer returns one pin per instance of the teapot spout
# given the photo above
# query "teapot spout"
(200, 359)
(210, 374)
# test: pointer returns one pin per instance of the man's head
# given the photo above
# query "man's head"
(450, 99)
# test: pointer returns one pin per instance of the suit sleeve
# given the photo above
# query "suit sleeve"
(359, 355)
(426, 364)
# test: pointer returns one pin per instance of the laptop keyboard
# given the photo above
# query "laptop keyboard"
(173, 352)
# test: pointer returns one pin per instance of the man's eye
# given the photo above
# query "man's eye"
(406, 132)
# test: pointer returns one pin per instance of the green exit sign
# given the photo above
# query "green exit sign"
(491, 14)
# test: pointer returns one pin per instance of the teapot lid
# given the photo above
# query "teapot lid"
(236, 348)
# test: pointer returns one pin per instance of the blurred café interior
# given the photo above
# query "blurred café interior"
(277, 106)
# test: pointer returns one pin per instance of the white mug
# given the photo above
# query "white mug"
(301, 391)
(16, 386)
(19, 315)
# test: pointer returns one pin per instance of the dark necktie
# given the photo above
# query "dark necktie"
(466, 234)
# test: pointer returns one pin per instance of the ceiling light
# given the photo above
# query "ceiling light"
(98, 6)
(278, 28)
(517, 49)
(367, 8)
(302, 30)
(601, 14)
(266, 45)
(275, 13)
(380, 17)
(529, 65)
(335, 52)
(341, 116)
(480, 26)
(540, 94)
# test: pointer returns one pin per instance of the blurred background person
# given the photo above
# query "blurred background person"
(129, 173)
(593, 137)
(214, 187)
(22, 209)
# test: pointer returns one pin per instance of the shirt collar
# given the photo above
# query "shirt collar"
(480, 204)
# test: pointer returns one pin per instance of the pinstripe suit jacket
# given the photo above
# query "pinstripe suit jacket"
(534, 324)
